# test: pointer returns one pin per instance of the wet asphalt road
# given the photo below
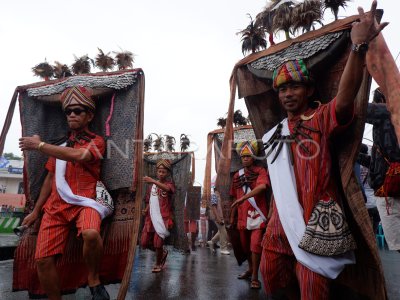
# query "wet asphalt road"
(200, 275)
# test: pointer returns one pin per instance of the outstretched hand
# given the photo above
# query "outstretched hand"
(237, 202)
(148, 179)
(30, 219)
(29, 142)
(367, 28)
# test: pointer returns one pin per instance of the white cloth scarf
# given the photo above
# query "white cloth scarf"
(65, 192)
(290, 212)
(251, 200)
(155, 214)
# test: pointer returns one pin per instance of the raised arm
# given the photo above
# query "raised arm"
(257, 190)
(63, 153)
(362, 33)
(165, 187)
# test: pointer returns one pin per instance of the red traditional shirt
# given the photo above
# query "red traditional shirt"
(314, 174)
(165, 202)
(261, 199)
(81, 177)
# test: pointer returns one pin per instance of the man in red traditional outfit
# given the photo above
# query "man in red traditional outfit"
(250, 184)
(307, 237)
(73, 171)
(158, 213)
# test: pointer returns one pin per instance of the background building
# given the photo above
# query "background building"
(11, 181)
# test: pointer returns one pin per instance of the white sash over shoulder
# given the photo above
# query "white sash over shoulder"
(251, 200)
(65, 192)
(290, 212)
(155, 214)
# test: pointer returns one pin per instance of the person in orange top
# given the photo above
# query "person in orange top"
(82, 155)
(248, 190)
(158, 213)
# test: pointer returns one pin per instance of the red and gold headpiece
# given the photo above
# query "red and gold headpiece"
(166, 163)
(82, 95)
(247, 148)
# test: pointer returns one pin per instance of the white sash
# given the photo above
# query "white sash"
(251, 200)
(155, 214)
(290, 212)
(66, 194)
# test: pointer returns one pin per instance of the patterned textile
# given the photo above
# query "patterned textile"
(164, 198)
(327, 232)
(120, 168)
(313, 175)
(259, 176)
(181, 163)
(49, 122)
(114, 80)
(279, 270)
(149, 240)
(366, 277)
(55, 228)
(385, 143)
(247, 148)
(193, 201)
(80, 94)
(89, 173)
(214, 199)
(240, 134)
(166, 163)
(60, 215)
(295, 70)
(303, 50)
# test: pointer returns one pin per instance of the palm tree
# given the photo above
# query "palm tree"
(185, 142)
(158, 143)
(306, 14)
(170, 143)
(43, 70)
(104, 61)
(334, 5)
(147, 143)
(253, 38)
(61, 70)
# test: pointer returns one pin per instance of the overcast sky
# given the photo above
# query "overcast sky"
(187, 50)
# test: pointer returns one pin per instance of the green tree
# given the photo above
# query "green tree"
(11, 156)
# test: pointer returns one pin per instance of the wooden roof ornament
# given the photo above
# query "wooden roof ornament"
(325, 52)
(119, 94)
